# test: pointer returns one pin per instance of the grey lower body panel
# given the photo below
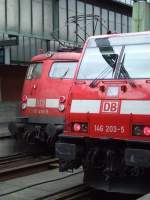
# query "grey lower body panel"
(41, 120)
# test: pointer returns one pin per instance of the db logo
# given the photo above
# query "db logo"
(110, 106)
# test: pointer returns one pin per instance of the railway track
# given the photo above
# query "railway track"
(83, 192)
(13, 157)
(24, 164)
(74, 193)
(79, 192)
(4, 137)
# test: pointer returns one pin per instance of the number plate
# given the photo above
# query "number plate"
(109, 128)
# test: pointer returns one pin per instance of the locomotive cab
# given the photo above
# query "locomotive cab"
(107, 127)
(44, 98)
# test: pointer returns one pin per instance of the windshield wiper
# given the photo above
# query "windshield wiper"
(65, 73)
(120, 69)
(105, 72)
(110, 59)
(123, 71)
(115, 62)
(119, 63)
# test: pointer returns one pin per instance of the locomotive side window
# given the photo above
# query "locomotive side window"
(34, 71)
(102, 57)
(63, 70)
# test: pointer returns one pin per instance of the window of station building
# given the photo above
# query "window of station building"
(71, 26)
(37, 17)
(81, 23)
(13, 53)
(112, 21)
(48, 23)
(21, 49)
(97, 21)
(2, 55)
(33, 46)
(124, 24)
(130, 24)
(118, 22)
(25, 16)
(44, 46)
(64, 70)
(26, 48)
(62, 20)
(104, 21)
(89, 20)
(38, 46)
(34, 71)
(12, 15)
(2, 14)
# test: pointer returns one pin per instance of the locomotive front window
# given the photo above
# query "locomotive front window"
(64, 70)
(34, 71)
(100, 60)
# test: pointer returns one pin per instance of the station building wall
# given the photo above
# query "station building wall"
(31, 21)
(11, 82)
(80, 19)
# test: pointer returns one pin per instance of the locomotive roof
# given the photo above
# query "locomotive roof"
(120, 34)
(57, 56)
(118, 39)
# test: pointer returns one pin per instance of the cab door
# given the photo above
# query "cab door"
(32, 79)
(30, 88)
(56, 85)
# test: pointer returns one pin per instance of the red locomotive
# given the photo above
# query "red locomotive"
(107, 128)
(43, 104)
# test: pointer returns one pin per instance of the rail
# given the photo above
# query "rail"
(74, 193)
(26, 165)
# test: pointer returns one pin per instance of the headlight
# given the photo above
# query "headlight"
(80, 127)
(141, 130)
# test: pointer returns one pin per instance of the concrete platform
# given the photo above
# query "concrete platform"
(4, 132)
(8, 111)
(9, 146)
(39, 190)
